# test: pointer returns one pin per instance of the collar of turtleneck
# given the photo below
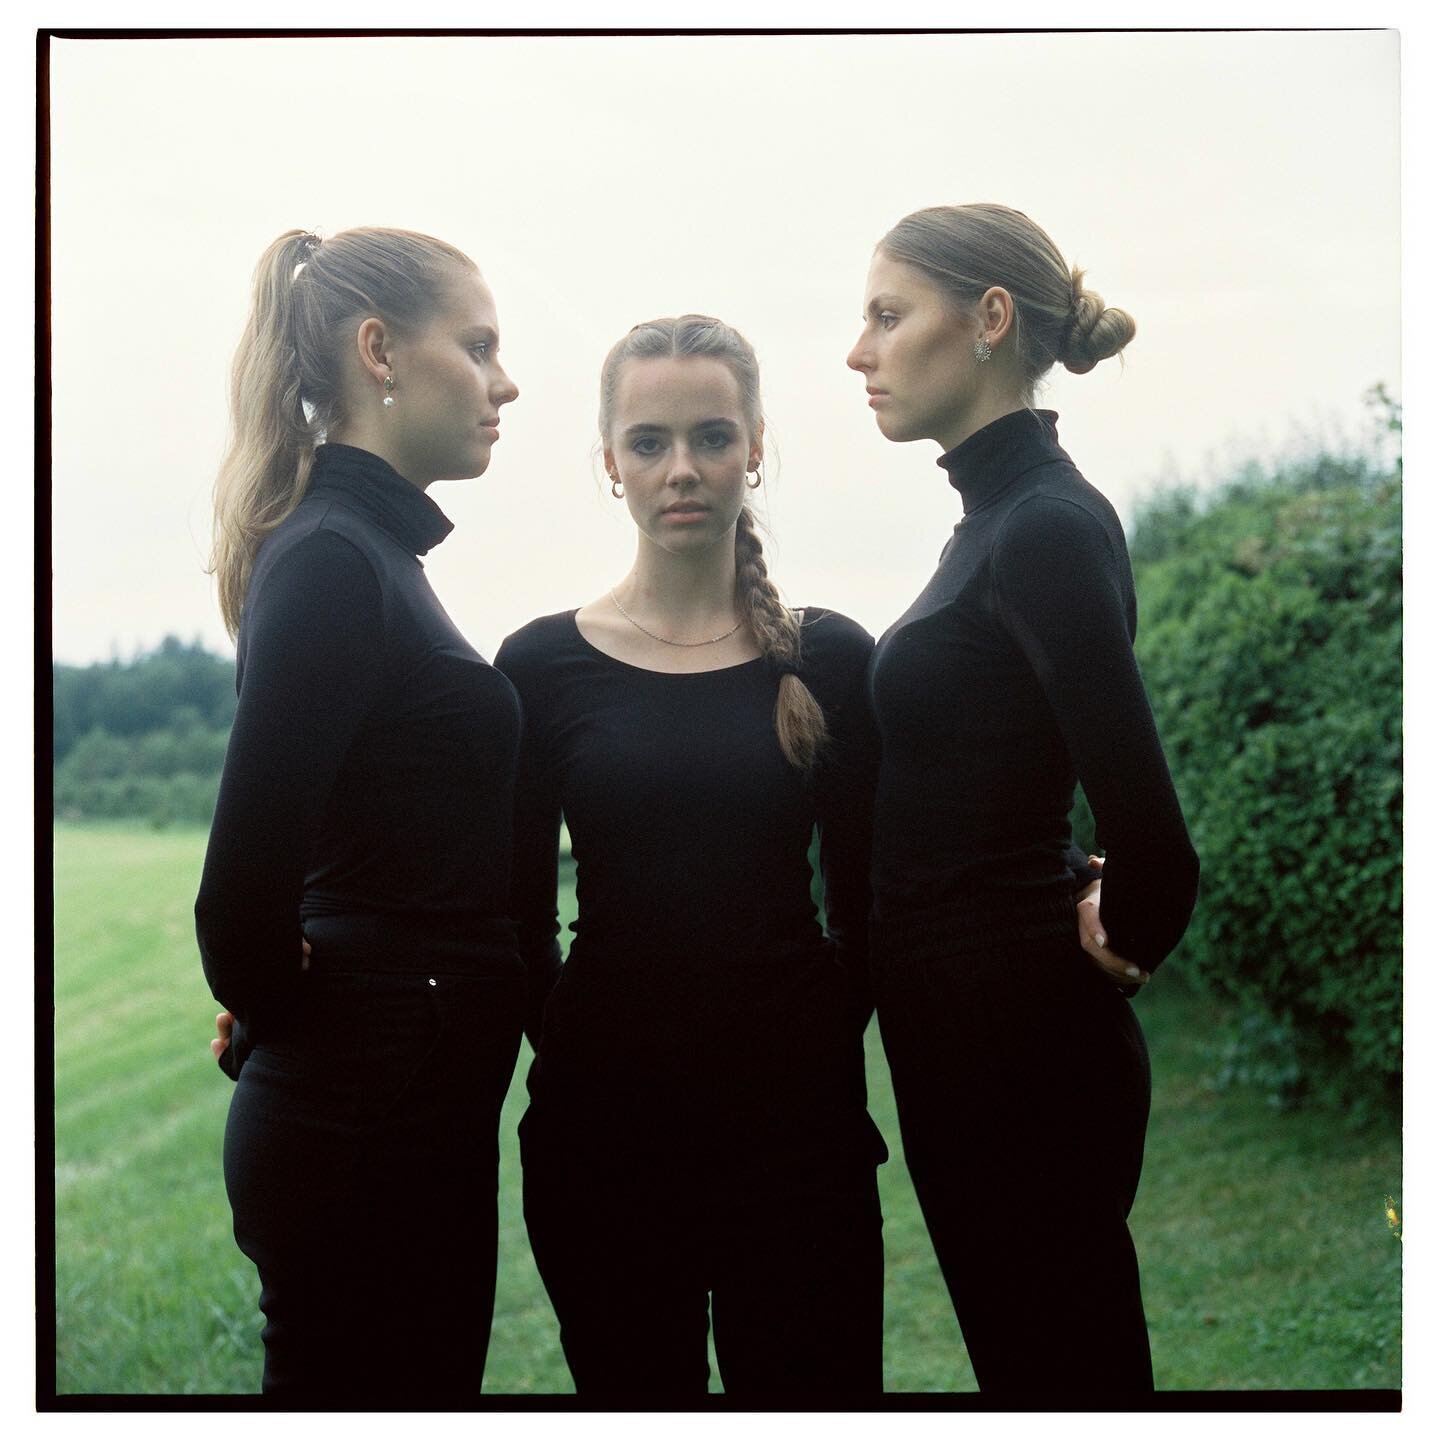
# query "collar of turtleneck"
(999, 453)
(382, 495)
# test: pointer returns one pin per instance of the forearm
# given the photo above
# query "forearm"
(1082, 657)
(311, 671)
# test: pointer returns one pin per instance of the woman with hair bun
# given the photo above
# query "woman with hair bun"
(366, 796)
(1020, 1071)
(697, 1139)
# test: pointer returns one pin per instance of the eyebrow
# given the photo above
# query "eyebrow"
(879, 303)
(646, 427)
(481, 332)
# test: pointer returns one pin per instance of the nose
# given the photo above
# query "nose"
(859, 358)
(503, 389)
(682, 469)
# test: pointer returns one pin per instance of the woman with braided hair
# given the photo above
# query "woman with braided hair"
(697, 1146)
(1020, 1071)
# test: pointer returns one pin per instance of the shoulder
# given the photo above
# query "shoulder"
(832, 644)
(534, 646)
(1061, 520)
(305, 561)
(833, 632)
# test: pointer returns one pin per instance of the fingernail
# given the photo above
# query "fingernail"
(1100, 938)
(1133, 971)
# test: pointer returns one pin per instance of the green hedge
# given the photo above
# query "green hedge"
(144, 738)
(1270, 643)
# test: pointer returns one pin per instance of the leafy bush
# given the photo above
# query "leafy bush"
(1270, 642)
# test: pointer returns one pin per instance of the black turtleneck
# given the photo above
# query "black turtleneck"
(1011, 674)
(369, 781)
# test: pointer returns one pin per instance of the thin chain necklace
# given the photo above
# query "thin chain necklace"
(683, 644)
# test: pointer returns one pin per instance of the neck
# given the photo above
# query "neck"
(684, 593)
(986, 410)
(377, 440)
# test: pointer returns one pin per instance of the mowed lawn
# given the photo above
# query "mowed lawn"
(1266, 1255)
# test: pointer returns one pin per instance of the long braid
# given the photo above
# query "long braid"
(799, 720)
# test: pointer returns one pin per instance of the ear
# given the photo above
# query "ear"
(372, 341)
(608, 459)
(757, 449)
(996, 311)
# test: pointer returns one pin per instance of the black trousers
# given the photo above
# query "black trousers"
(639, 1259)
(697, 1150)
(1023, 1088)
(361, 1164)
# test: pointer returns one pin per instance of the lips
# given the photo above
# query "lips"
(686, 507)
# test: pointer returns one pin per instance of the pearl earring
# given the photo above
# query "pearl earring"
(389, 386)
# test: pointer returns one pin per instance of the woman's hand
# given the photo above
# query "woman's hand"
(224, 1024)
(225, 1021)
(1092, 936)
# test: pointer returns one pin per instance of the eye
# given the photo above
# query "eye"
(645, 445)
(716, 439)
(481, 349)
(887, 319)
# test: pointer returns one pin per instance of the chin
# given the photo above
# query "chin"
(475, 466)
(893, 428)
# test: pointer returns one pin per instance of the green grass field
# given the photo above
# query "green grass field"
(1266, 1255)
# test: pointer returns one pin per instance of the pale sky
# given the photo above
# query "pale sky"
(1223, 188)
(1238, 193)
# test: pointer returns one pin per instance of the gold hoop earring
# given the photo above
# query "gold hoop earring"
(389, 388)
(617, 486)
(758, 481)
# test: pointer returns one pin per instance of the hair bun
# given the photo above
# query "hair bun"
(1095, 331)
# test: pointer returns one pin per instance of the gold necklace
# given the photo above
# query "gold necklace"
(683, 644)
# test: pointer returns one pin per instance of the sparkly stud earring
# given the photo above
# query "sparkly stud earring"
(982, 350)
(758, 481)
(617, 488)
(389, 386)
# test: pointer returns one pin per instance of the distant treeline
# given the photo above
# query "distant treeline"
(143, 738)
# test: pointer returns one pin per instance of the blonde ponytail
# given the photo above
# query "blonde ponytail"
(286, 381)
(267, 466)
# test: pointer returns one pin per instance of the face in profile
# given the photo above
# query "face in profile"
(916, 353)
(449, 386)
(680, 442)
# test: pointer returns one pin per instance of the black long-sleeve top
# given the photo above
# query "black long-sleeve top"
(369, 781)
(690, 834)
(1012, 673)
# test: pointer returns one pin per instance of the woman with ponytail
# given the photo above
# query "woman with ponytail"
(697, 1139)
(366, 800)
(1020, 1071)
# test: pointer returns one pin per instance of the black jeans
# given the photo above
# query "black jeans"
(638, 1260)
(1023, 1088)
(697, 1150)
(361, 1164)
